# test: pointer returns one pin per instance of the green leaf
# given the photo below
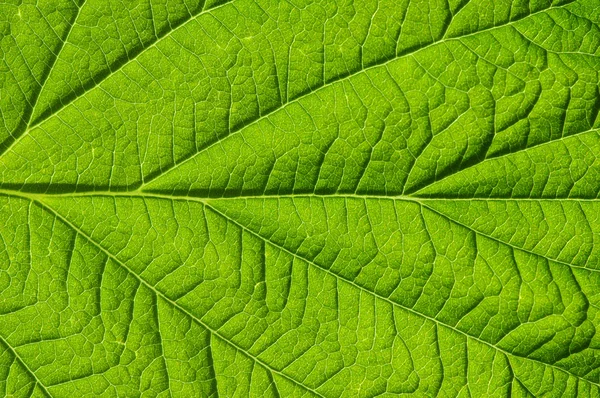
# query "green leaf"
(300, 199)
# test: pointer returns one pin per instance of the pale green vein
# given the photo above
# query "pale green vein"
(54, 60)
(149, 46)
(20, 360)
(23, 127)
(152, 194)
(420, 200)
(508, 154)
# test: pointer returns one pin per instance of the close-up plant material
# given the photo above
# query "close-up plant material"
(299, 198)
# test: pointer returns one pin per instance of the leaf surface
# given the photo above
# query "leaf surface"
(299, 199)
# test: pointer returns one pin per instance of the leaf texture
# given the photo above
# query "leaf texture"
(300, 199)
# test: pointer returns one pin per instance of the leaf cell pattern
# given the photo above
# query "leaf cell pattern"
(303, 198)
